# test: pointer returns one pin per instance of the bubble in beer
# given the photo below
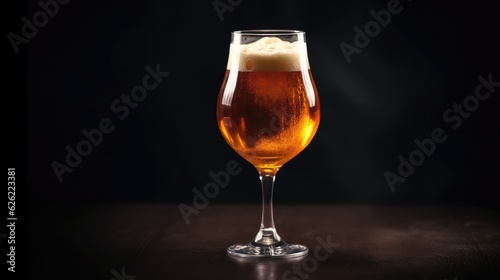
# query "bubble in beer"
(249, 65)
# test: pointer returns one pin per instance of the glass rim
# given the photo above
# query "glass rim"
(268, 32)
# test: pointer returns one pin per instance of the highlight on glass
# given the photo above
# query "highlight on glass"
(268, 111)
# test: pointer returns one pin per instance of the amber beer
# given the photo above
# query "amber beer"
(268, 111)
(270, 118)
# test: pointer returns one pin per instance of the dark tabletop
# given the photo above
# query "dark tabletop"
(153, 241)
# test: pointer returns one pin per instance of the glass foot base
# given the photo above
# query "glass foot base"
(254, 250)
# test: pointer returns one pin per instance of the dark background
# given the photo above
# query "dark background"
(393, 92)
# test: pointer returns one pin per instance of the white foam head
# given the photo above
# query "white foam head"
(268, 54)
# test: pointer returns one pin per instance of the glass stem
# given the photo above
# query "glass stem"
(267, 234)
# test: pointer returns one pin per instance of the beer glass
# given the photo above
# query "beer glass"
(268, 111)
